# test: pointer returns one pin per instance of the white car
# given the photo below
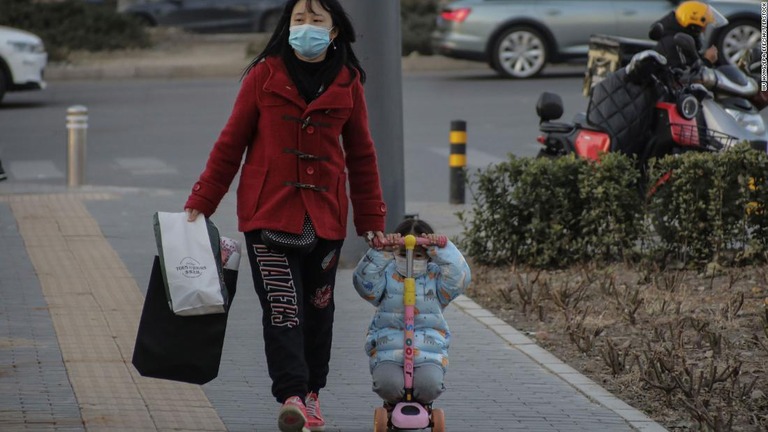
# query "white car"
(22, 61)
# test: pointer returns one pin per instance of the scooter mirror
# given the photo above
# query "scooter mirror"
(656, 31)
(687, 47)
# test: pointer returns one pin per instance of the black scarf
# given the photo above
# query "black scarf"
(311, 79)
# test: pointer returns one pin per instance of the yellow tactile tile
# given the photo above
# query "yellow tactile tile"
(75, 226)
(45, 237)
(108, 274)
(54, 263)
(114, 293)
(95, 252)
(62, 286)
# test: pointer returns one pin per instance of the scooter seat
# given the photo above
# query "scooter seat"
(555, 127)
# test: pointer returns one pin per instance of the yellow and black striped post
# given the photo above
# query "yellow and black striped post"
(458, 160)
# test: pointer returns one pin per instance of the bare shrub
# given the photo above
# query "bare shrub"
(616, 357)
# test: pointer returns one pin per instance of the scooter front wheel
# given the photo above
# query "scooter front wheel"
(438, 420)
(380, 420)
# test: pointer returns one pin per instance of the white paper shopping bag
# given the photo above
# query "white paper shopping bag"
(190, 258)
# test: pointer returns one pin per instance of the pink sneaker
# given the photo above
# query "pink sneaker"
(293, 416)
(315, 420)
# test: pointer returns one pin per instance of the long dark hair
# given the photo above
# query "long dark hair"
(342, 55)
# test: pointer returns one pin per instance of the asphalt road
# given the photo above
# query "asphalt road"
(157, 133)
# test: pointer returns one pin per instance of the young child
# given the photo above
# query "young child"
(441, 275)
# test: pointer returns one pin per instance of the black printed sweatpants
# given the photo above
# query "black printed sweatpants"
(296, 295)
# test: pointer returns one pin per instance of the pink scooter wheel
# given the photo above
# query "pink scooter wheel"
(380, 420)
(438, 420)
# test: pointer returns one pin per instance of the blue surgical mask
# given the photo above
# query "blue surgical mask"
(309, 40)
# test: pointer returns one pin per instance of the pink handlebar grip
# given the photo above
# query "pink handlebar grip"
(420, 241)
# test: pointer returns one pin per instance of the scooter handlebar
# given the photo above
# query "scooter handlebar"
(420, 241)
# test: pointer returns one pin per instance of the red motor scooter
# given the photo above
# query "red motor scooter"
(658, 117)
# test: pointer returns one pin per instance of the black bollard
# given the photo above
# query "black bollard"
(458, 160)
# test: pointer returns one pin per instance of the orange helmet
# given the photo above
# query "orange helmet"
(694, 13)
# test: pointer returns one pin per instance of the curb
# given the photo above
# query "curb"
(109, 72)
(198, 55)
(144, 68)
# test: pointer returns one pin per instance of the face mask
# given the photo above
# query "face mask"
(308, 40)
(419, 265)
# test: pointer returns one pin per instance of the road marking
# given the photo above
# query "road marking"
(34, 170)
(475, 158)
(145, 166)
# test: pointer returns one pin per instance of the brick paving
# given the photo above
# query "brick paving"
(73, 270)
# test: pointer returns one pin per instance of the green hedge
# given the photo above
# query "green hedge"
(707, 208)
(558, 212)
(417, 22)
(550, 212)
(74, 25)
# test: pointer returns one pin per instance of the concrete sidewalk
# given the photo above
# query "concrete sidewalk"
(74, 267)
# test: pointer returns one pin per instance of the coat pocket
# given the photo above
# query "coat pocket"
(272, 99)
(249, 190)
(339, 113)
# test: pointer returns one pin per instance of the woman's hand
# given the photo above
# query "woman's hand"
(392, 240)
(435, 240)
(370, 235)
(192, 214)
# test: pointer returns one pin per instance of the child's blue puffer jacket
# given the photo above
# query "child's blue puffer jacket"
(376, 280)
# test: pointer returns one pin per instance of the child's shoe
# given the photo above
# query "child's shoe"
(315, 420)
(293, 416)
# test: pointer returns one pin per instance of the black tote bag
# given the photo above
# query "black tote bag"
(179, 348)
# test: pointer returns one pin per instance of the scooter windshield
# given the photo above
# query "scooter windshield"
(717, 19)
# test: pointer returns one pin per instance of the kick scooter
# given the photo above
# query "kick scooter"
(409, 414)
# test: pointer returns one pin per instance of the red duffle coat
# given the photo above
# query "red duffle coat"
(294, 160)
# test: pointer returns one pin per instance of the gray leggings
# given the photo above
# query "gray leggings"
(389, 383)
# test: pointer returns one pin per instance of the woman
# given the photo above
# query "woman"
(297, 97)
